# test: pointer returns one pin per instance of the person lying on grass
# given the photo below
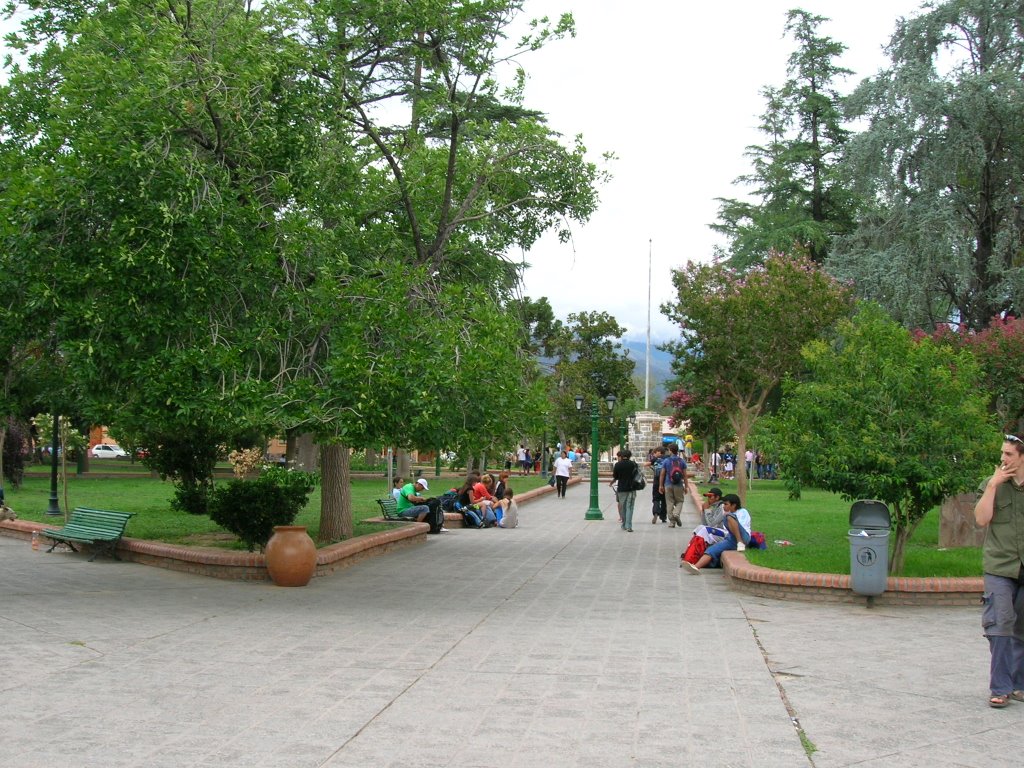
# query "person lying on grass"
(737, 525)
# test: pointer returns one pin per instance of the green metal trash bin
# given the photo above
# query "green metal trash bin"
(869, 547)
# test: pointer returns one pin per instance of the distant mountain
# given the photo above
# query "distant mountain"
(661, 369)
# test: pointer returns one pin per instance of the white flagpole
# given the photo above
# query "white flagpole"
(647, 377)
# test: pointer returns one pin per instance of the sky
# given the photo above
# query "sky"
(674, 90)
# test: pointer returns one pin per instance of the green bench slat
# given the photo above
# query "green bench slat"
(88, 524)
(389, 507)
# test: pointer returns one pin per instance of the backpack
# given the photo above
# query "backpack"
(448, 500)
(470, 519)
(639, 482)
(677, 472)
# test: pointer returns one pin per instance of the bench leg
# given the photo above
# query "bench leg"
(105, 547)
(67, 544)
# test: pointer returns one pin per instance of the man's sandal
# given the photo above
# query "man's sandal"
(1017, 695)
(998, 702)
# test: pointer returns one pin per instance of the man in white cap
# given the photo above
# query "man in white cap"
(412, 506)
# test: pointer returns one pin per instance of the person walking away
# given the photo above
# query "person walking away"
(1000, 510)
(672, 480)
(658, 509)
(622, 482)
(563, 469)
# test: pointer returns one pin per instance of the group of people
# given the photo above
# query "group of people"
(488, 501)
(725, 523)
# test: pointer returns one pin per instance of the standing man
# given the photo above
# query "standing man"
(1001, 510)
(672, 481)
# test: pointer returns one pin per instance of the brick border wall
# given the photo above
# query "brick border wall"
(251, 566)
(835, 588)
(244, 566)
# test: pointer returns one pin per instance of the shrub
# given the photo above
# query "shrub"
(15, 451)
(251, 508)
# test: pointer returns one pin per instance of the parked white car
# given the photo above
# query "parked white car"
(105, 451)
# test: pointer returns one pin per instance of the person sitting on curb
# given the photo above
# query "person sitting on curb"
(737, 525)
(711, 529)
(412, 506)
(507, 510)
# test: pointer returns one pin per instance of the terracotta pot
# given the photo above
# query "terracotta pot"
(291, 556)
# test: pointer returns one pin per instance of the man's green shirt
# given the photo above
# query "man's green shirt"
(1003, 551)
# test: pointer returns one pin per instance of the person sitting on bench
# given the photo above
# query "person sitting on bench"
(412, 506)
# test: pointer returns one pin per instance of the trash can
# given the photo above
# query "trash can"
(869, 547)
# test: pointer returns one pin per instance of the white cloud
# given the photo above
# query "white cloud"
(673, 89)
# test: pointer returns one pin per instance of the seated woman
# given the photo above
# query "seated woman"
(506, 511)
(499, 489)
(481, 495)
(737, 525)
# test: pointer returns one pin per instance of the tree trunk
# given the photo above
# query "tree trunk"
(306, 453)
(372, 458)
(404, 464)
(899, 549)
(742, 422)
(335, 495)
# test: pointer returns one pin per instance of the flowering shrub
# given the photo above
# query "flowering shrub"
(246, 461)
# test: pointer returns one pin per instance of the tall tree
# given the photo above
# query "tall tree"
(800, 198)
(589, 362)
(941, 165)
(742, 331)
(285, 199)
(859, 425)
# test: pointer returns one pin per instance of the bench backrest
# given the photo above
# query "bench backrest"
(99, 520)
(389, 506)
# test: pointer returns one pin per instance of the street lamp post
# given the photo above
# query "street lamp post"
(53, 509)
(594, 511)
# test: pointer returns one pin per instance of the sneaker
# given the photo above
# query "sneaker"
(690, 567)
(654, 520)
(444, 530)
(672, 524)
(629, 530)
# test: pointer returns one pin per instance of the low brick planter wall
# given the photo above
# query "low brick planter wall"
(251, 566)
(231, 564)
(835, 588)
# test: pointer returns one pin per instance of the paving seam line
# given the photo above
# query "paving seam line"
(453, 647)
(793, 718)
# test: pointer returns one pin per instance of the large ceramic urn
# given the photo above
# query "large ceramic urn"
(291, 556)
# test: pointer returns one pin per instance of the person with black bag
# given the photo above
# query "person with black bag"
(625, 487)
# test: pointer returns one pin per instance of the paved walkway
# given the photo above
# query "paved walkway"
(561, 643)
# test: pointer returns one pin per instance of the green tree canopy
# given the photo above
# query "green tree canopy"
(940, 168)
(742, 331)
(800, 198)
(880, 415)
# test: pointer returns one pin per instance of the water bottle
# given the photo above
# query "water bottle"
(35, 539)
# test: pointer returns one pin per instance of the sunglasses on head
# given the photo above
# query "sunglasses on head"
(1013, 439)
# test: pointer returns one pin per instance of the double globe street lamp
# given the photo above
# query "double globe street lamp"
(594, 511)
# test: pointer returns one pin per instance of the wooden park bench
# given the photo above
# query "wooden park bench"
(102, 528)
(389, 508)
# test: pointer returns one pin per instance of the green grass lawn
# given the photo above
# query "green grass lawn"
(149, 499)
(817, 525)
